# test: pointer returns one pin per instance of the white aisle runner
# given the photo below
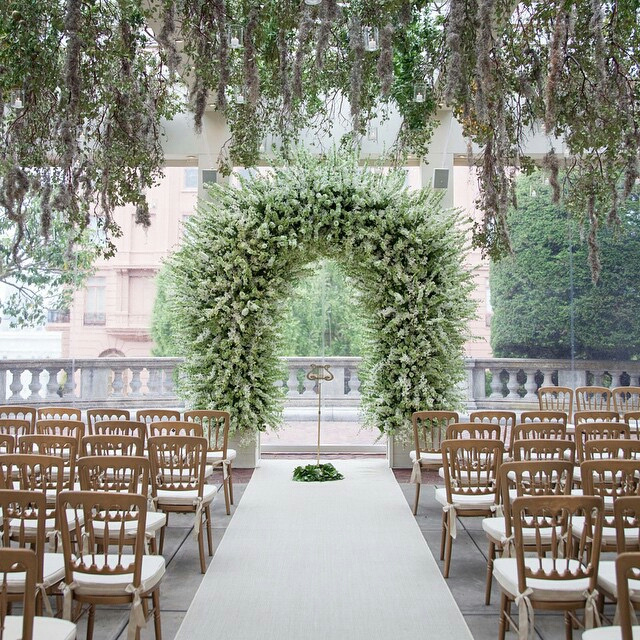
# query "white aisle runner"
(323, 561)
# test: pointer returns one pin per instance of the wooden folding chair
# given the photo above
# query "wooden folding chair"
(112, 445)
(429, 430)
(626, 399)
(58, 413)
(23, 515)
(123, 474)
(216, 426)
(100, 567)
(521, 478)
(178, 467)
(28, 626)
(105, 413)
(593, 398)
(470, 475)
(558, 571)
(20, 412)
(556, 399)
(627, 523)
(506, 420)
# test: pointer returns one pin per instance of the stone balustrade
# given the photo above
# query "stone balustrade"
(139, 382)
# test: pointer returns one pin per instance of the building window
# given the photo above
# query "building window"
(55, 316)
(94, 303)
(190, 182)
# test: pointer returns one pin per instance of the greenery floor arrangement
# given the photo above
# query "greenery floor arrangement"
(317, 473)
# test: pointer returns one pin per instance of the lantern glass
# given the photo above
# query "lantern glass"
(419, 92)
(17, 99)
(234, 38)
(371, 38)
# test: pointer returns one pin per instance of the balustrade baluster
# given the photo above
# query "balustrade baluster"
(35, 384)
(292, 383)
(531, 386)
(496, 383)
(117, 386)
(136, 382)
(53, 386)
(512, 384)
(16, 383)
(615, 377)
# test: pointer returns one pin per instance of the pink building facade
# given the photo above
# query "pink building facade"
(112, 315)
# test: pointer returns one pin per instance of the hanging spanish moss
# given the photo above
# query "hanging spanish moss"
(84, 88)
(385, 60)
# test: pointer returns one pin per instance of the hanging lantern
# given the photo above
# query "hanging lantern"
(371, 38)
(419, 92)
(17, 99)
(372, 134)
(234, 36)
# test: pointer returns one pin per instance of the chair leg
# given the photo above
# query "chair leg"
(443, 535)
(415, 502)
(155, 596)
(207, 512)
(201, 550)
(162, 539)
(227, 497)
(90, 621)
(491, 554)
(447, 554)
(230, 481)
(568, 626)
(503, 616)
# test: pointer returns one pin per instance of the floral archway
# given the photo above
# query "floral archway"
(245, 250)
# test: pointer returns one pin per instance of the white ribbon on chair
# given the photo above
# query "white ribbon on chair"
(41, 587)
(198, 523)
(225, 468)
(508, 546)
(55, 541)
(450, 510)
(152, 504)
(416, 473)
(67, 598)
(591, 616)
(526, 630)
(136, 616)
(497, 510)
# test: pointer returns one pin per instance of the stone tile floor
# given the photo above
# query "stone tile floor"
(466, 581)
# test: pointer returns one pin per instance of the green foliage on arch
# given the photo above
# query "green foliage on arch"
(244, 252)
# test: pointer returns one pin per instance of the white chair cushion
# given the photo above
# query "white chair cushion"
(495, 528)
(505, 570)
(153, 569)
(154, 522)
(186, 497)
(608, 533)
(607, 580)
(43, 627)
(463, 502)
(609, 633)
(214, 457)
(434, 458)
(52, 573)
(31, 526)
